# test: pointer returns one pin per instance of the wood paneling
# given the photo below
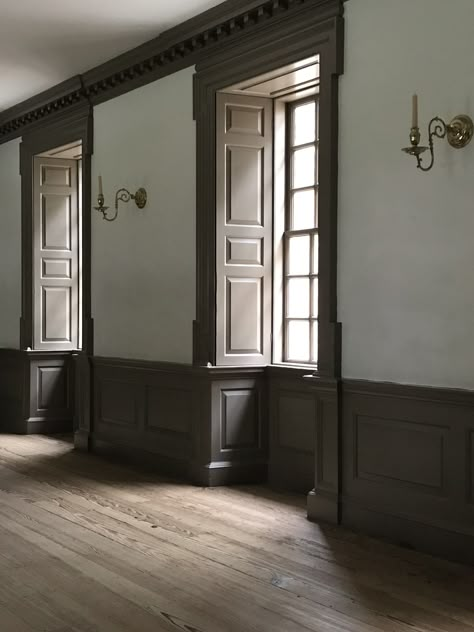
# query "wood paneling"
(240, 418)
(407, 464)
(243, 229)
(118, 402)
(168, 409)
(380, 444)
(304, 436)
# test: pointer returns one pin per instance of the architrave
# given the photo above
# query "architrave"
(304, 33)
(63, 129)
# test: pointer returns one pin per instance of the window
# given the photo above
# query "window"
(301, 240)
(267, 219)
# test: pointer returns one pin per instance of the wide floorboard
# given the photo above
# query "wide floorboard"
(87, 545)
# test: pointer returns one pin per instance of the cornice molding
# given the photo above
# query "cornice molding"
(177, 48)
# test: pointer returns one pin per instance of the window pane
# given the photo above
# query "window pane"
(298, 341)
(314, 351)
(304, 167)
(303, 215)
(315, 306)
(315, 254)
(298, 255)
(304, 124)
(298, 298)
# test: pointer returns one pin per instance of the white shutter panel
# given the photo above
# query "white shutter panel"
(55, 255)
(244, 199)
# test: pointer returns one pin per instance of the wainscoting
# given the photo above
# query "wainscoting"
(408, 463)
(36, 392)
(390, 460)
(207, 425)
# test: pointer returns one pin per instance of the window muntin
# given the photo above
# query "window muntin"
(301, 238)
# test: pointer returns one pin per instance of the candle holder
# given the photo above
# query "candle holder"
(458, 133)
(122, 195)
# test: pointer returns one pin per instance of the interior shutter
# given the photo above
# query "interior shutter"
(55, 255)
(244, 199)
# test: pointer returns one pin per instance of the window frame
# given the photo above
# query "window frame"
(289, 232)
(308, 33)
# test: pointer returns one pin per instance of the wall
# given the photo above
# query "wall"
(10, 244)
(406, 262)
(143, 264)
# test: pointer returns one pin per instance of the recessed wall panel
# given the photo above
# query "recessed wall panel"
(56, 222)
(400, 452)
(244, 315)
(52, 175)
(297, 421)
(56, 311)
(244, 183)
(242, 119)
(56, 268)
(239, 418)
(247, 252)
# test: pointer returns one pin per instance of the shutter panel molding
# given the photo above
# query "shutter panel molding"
(244, 202)
(55, 255)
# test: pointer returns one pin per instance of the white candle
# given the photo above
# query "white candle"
(414, 122)
(100, 186)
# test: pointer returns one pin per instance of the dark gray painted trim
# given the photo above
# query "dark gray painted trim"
(433, 394)
(408, 465)
(206, 424)
(57, 131)
(36, 392)
(308, 31)
(177, 48)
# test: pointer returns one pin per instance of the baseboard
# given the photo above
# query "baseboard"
(82, 440)
(424, 537)
(138, 457)
(219, 474)
(323, 507)
(47, 426)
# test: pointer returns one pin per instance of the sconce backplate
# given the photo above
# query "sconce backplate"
(460, 131)
(140, 198)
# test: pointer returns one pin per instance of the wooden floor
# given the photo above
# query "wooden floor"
(92, 546)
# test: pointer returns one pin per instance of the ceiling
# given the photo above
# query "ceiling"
(44, 43)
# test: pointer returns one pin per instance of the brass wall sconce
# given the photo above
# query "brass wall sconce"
(122, 195)
(458, 133)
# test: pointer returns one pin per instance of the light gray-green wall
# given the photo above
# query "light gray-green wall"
(406, 239)
(10, 244)
(143, 264)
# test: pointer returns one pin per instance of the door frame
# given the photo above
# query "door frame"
(74, 126)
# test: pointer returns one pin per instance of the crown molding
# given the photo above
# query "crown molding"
(179, 47)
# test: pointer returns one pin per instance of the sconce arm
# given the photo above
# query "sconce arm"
(122, 195)
(438, 128)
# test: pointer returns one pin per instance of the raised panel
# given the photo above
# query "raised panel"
(56, 222)
(56, 269)
(244, 315)
(241, 251)
(55, 175)
(239, 419)
(56, 314)
(244, 119)
(168, 409)
(118, 403)
(297, 422)
(244, 190)
(53, 392)
(399, 452)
